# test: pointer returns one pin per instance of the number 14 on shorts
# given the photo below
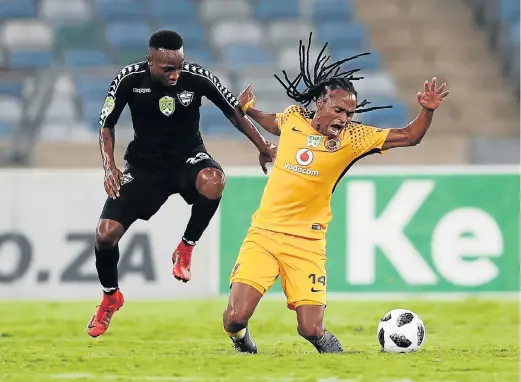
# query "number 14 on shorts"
(317, 280)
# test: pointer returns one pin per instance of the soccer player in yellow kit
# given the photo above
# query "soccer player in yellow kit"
(287, 234)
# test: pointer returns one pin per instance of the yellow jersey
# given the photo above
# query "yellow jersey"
(297, 196)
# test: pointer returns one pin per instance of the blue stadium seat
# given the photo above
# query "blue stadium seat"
(92, 87)
(370, 62)
(168, 11)
(244, 55)
(343, 35)
(193, 34)
(269, 10)
(11, 9)
(514, 33)
(85, 57)
(124, 57)
(202, 57)
(128, 35)
(65, 10)
(213, 121)
(11, 88)
(328, 10)
(91, 111)
(79, 35)
(6, 129)
(376, 83)
(509, 10)
(29, 59)
(118, 10)
(385, 118)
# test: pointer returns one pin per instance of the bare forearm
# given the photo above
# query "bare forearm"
(418, 127)
(106, 143)
(266, 120)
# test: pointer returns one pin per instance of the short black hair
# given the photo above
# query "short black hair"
(324, 78)
(165, 39)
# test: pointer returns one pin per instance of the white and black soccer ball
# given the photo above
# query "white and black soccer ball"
(401, 331)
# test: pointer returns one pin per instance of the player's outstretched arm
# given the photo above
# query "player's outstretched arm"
(412, 134)
(268, 121)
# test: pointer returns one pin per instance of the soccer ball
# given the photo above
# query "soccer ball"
(401, 331)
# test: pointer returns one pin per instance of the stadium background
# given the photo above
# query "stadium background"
(440, 218)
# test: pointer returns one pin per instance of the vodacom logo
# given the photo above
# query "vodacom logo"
(304, 157)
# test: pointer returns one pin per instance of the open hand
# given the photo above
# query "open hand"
(431, 98)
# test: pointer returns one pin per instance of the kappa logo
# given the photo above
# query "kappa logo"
(167, 105)
(127, 178)
(198, 158)
(304, 157)
(185, 98)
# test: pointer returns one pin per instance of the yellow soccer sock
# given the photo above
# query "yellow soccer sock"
(237, 335)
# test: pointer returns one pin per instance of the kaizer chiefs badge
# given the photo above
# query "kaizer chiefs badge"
(332, 144)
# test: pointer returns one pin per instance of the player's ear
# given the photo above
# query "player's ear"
(320, 103)
(149, 60)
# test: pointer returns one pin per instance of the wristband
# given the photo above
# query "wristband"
(247, 105)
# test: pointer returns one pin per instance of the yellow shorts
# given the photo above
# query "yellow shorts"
(299, 261)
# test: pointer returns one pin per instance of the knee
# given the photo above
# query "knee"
(235, 318)
(108, 235)
(311, 330)
(210, 183)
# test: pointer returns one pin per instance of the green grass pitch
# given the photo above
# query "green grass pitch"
(471, 340)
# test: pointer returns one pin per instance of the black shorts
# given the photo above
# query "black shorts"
(142, 192)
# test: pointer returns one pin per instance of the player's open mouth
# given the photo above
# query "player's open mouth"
(335, 129)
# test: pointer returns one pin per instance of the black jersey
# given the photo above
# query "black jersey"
(165, 119)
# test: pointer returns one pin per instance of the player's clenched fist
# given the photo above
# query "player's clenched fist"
(112, 181)
(267, 155)
(246, 98)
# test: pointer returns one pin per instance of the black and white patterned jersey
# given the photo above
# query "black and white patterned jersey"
(165, 119)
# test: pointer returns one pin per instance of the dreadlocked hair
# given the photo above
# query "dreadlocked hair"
(324, 77)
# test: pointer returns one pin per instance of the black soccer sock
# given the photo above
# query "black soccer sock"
(328, 343)
(107, 267)
(202, 212)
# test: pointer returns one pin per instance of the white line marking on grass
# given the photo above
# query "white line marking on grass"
(129, 377)
(336, 379)
(72, 376)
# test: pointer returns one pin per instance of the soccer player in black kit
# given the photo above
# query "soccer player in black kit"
(166, 157)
